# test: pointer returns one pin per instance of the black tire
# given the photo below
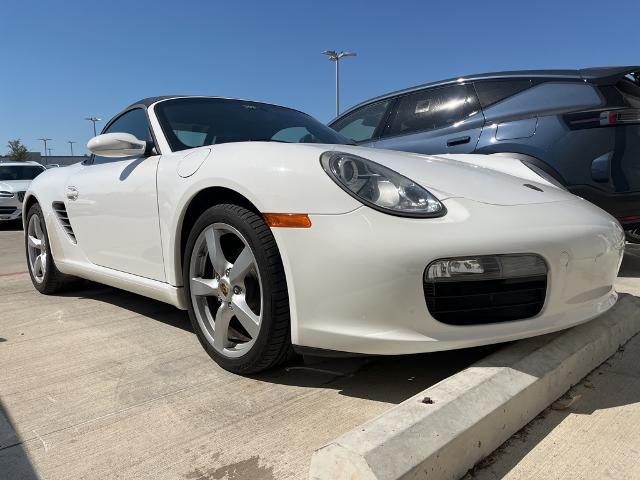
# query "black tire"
(53, 280)
(273, 343)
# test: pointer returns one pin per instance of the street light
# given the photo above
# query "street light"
(94, 120)
(45, 140)
(335, 57)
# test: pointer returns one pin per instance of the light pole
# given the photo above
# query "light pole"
(45, 140)
(335, 57)
(93, 120)
(71, 142)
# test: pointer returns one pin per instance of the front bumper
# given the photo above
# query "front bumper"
(356, 280)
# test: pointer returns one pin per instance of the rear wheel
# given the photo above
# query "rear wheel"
(235, 283)
(45, 276)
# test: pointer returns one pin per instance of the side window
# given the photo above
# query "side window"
(133, 122)
(491, 92)
(361, 124)
(433, 108)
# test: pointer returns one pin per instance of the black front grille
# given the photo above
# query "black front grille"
(7, 210)
(21, 196)
(469, 302)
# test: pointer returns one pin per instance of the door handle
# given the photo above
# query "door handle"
(72, 193)
(452, 142)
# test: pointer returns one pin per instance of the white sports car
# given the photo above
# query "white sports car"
(276, 234)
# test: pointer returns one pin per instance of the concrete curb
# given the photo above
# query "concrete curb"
(476, 410)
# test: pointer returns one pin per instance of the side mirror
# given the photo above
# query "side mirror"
(117, 145)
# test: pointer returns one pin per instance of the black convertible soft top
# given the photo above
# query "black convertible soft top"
(147, 102)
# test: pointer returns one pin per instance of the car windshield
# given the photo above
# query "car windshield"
(19, 172)
(194, 122)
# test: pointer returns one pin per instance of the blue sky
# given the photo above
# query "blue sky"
(65, 60)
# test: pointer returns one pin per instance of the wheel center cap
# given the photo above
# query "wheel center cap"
(225, 289)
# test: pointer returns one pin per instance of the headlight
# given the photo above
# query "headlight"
(541, 173)
(380, 187)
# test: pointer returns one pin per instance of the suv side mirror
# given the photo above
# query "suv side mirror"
(117, 145)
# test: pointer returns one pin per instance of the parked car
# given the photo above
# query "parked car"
(15, 178)
(273, 232)
(579, 128)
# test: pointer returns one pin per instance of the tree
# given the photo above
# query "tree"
(17, 151)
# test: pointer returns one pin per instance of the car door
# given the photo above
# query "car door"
(364, 124)
(113, 207)
(436, 120)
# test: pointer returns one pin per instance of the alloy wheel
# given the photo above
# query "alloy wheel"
(226, 289)
(36, 248)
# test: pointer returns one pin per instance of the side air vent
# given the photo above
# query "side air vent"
(61, 213)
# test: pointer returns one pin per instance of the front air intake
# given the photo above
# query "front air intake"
(485, 289)
(63, 217)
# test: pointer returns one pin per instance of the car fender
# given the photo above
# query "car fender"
(273, 177)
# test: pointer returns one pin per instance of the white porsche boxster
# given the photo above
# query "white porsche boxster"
(278, 235)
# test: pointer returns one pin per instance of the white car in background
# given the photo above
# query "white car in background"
(276, 234)
(15, 178)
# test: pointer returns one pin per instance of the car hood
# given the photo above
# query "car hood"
(14, 185)
(448, 178)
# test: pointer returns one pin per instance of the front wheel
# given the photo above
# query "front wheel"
(45, 276)
(237, 291)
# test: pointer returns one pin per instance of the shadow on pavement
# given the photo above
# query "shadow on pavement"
(138, 304)
(14, 461)
(390, 379)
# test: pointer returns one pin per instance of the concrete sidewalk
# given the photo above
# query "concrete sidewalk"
(593, 432)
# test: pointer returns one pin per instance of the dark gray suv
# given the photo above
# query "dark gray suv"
(580, 127)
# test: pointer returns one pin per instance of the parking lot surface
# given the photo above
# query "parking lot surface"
(101, 383)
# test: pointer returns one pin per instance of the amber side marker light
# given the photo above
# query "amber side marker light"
(287, 220)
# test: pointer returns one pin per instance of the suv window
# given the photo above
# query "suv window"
(134, 122)
(432, 108)
(361, 124)
(491, 92)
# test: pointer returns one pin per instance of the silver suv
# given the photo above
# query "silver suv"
(15, 178)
